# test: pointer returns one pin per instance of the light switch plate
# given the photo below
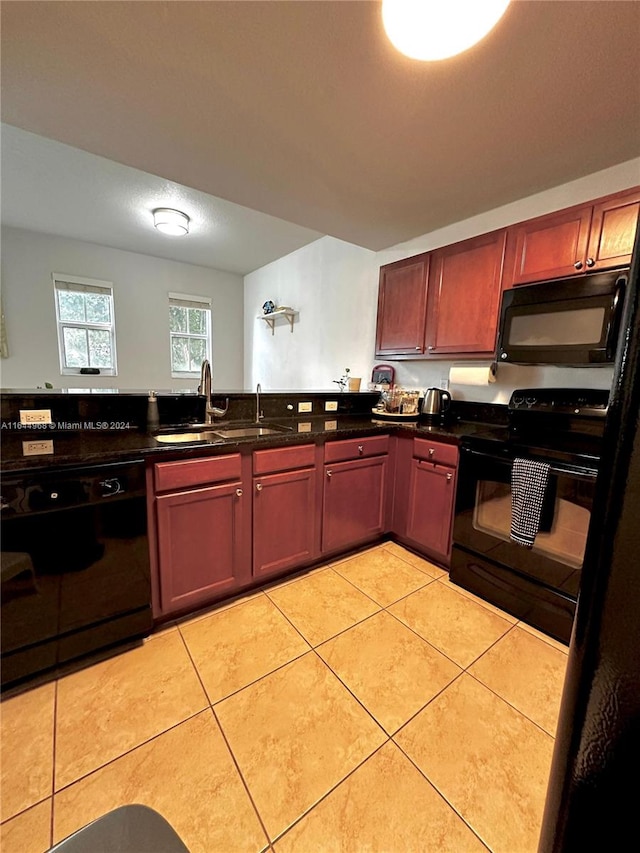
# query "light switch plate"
(305, 407)
(331, 425)
(305, 426)
(35, 416)
(444, 384)
(331, 406)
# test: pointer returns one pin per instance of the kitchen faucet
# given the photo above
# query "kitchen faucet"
(210, 412)
(259, 415)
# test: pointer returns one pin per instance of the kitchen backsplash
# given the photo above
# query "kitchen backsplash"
(421, 375)
(128, 410)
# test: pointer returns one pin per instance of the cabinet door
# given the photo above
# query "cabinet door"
(284, 521)
(549, 246)
(402, 307)
(430, 516)
(203, 545)
(353, 502)
(464, 296)
(613, 231)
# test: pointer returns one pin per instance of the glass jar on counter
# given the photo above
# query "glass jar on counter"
(409, 402)
(392, 400)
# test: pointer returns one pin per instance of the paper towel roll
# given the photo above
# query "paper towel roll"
(472, 375)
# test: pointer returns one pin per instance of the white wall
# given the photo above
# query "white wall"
(140, 284)
(329, 282)
(335, 287)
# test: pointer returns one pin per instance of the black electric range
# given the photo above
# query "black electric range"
(563, 429)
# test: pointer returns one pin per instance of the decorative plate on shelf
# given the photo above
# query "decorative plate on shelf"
(268, 307)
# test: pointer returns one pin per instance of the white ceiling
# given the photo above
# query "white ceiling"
(304, 111)
(56, 189)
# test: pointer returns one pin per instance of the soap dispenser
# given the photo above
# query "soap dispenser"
(153, 418)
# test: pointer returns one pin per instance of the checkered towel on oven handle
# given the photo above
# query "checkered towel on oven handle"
(529, 481)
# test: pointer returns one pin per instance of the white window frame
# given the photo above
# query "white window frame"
(84, 285)
(202, 302)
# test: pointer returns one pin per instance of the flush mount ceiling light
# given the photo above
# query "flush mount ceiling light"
(171, 221)
(437, 29)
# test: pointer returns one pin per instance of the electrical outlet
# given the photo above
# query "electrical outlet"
(35, 416)
(37, 448)
(305, 426)
(331, 425)
(444, 384)
(305, 407)
(331, 406)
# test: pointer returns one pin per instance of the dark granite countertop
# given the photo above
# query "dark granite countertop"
(75, 447)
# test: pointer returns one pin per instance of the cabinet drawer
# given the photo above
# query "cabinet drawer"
(283, 459)
(356, 448)
(435, 451)
(196, 472)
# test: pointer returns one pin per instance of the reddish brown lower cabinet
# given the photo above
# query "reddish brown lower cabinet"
(354, 502)
(204, 551)
(432, 491)
(285, 521)
(200, 531)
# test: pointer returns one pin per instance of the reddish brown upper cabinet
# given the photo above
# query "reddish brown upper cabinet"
(613, 230)
(598, 235)
(202, 532)
(402, 307)
(443, 303)
(285, 515)
(464, 296)
(354, 507)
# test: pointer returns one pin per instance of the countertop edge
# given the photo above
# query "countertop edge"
(90, 449)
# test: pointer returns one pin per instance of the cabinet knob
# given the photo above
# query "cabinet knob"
(418, 349)
(591, 262)
(431, 451)
(329, 473)
(360, 449)
(449, 477)
(578, 265)
(258, 487)
(239, 492)
(431, 348)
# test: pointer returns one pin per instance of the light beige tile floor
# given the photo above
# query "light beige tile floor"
(367, 705)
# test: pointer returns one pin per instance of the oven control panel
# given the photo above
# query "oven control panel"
(590, 402)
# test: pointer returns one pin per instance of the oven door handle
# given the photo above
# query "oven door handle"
(577, 472)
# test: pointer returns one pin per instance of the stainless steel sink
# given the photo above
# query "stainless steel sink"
(248, 432)
(184, 437)
(228, 431)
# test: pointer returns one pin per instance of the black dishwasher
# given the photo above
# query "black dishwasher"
(75, 574)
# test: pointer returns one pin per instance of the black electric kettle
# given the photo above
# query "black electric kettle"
(435, 403)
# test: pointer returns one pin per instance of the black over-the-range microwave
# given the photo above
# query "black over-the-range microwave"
(571, 321)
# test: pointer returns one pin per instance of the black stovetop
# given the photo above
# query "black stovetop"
(554, 424)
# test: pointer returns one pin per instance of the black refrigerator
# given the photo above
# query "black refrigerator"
(592, 798)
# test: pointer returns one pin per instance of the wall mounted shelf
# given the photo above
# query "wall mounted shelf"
(288, 313)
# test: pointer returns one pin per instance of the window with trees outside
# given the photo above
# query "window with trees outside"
(190, 333)
(86, 325)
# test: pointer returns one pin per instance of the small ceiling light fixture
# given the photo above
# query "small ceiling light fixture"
(171, 221)
(436, 29)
